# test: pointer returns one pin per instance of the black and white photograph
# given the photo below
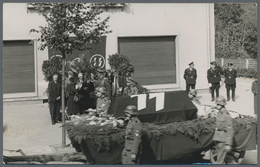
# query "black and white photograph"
(129, 83)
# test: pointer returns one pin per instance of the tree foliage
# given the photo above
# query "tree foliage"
(64, 20)
(235, 30)
(81, 64)
(51, 67)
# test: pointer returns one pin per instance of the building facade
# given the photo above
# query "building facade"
(161, 39)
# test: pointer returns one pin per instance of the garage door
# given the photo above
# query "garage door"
(154, 58)
(18, 67)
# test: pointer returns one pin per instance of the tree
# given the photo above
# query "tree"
(80, 20)
(250, 40)
(235, 30)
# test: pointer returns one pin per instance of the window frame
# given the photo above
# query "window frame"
(25, 94)
(160, 87)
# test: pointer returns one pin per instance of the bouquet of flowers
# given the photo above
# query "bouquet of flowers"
(95, 118)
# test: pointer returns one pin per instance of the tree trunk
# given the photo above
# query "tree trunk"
(63, 101)
(115, 86)
(243, 38)
(116, 83)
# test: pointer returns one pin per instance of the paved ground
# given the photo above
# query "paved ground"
(29, 124)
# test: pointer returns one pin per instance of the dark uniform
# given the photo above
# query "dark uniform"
(230, 80)
(214, 78)
(190, 75)
(254, 91)
(224, 132)
(132, 138)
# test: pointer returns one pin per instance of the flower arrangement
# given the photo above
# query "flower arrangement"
(102, 131)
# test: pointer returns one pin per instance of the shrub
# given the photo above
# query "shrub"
(121, 64)
(247, 73)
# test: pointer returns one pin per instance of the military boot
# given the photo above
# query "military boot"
(217, 93)
(212, 95)
(233, 96)
(228, 96)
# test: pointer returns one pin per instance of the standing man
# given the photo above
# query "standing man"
(132, 137)
(230, 80)
(103, 82)
(254, 91)
(224, 132)
(190, 75)
(54, 99)
(213, 75)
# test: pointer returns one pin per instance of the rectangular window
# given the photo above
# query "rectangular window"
(154, 58)
(18, 67)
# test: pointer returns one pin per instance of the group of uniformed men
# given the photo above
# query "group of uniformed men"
(214, 79)
(224, 128)
(223, 135)
(224, 132)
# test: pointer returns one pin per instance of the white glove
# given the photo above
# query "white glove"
(133, 156)
(228, 148)
(210, 85)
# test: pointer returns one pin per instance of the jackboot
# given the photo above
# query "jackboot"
(217, 93)
(228, 96)
(233, 96)
(212, 95)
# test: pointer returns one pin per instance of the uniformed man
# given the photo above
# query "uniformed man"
(224, 132)
(103, 102)
(103, 82)
(131, 151)
(230, 80)
(254, 91)
(190, 75)
(213, 75)
(131, 88)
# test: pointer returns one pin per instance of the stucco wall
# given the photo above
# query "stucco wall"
(191, 23)
(17, 23)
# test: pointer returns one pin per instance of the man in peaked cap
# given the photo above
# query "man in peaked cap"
(230, 80)
(213, 76)
(131, 151)
(190, 76)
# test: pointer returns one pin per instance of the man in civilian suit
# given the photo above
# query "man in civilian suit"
(54, 97)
